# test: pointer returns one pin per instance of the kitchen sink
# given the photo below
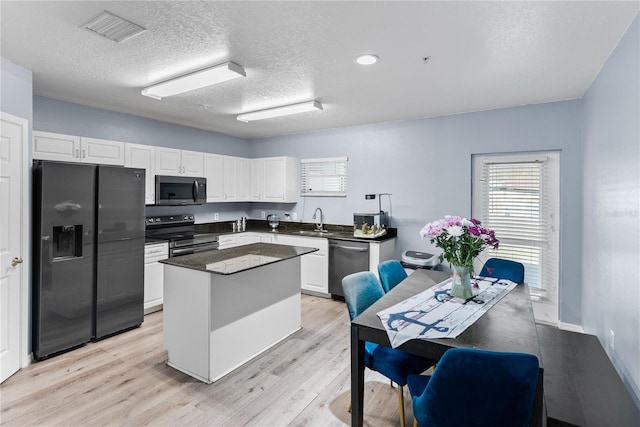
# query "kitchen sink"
(313, 233)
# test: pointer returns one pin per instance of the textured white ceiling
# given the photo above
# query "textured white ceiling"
(483, 55)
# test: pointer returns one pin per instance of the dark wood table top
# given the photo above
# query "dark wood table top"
(507, 326)
(581, 386)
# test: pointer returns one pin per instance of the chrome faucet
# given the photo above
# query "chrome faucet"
(319, 225)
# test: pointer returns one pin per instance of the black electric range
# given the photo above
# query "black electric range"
(179, 231)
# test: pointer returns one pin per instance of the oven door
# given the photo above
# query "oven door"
(192, 249)
(180, 190)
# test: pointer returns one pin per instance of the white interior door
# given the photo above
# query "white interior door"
(13, 141)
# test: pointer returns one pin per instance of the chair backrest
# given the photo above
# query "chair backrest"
(360, 291)
(479, 388)
(503, 269)
(391, 273)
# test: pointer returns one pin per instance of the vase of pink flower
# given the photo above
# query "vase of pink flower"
(461, 240)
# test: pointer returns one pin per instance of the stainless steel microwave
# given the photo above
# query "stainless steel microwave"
(180, 190)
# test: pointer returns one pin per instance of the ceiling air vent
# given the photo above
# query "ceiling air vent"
(113, 27)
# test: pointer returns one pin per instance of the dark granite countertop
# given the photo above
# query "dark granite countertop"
(238, 259)
(302, 229)
(152, 241)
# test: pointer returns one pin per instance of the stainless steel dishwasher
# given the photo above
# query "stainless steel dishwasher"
(345, 257)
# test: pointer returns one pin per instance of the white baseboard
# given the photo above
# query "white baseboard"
(570, 327)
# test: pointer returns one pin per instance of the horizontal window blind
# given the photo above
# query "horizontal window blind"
(517, 207)
(324, 177)
(517, 195)
(514, 201)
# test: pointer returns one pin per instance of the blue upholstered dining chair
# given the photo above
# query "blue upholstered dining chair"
(476, 388)
(360, 291)
(503, 269)
(391, 273)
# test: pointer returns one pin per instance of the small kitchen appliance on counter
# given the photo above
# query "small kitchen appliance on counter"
(274, 221)
(416, 259)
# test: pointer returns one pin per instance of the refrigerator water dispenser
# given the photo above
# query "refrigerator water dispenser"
(67, 242)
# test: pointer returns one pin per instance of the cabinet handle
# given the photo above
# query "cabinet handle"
(84, 154)
(77, 154)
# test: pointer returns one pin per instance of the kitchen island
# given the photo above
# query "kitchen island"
(224, 307)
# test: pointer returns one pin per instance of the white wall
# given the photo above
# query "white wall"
(611, 208)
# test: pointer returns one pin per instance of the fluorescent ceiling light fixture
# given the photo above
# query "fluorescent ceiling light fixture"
(367, 59)
(199, 79)
(280, 111)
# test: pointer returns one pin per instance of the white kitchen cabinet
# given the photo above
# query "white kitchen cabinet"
(174, 162)
(154, 276)
(274, 179)
(246, 238)
(101, 151)
(257, 180)
(214, 172)
(314, 267)
(143, 156)
(227, 241)
(69, 148)
(243, 176)
(280, 179)
(237, 179)
(381, 251)
(56, 146)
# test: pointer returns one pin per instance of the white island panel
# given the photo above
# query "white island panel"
(215, 323)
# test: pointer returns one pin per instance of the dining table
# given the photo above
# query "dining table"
(509, 326)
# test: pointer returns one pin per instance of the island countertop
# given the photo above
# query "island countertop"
(238, 259)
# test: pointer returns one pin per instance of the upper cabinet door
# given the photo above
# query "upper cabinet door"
(192, 163)
(168, 161)
(243, 178)
(142, 156)
(257, 180)
(280, 179)
(229, 182)
(101, 151)
(56, 146)
(214, 172)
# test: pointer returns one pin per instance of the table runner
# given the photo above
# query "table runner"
(433, 313)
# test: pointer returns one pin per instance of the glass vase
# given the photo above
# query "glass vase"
(461, 282)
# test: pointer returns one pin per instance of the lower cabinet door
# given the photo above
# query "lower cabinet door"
(153, 282)
(313, 273)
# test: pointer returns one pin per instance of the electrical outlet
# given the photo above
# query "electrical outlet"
(295, 216)
(611, 340)
(216, 216)
(263, 214)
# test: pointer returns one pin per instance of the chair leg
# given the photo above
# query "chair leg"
(401, 404)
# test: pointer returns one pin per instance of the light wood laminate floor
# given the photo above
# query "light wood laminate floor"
(124, 380)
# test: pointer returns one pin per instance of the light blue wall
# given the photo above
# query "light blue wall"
(52, 115)
(16, 93)
(426, 165)
(611, 249)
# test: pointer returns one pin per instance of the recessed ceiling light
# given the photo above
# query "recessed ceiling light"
(280, 111)
(196, 80)
(367, 59)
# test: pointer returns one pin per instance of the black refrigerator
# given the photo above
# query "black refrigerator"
(88, 253)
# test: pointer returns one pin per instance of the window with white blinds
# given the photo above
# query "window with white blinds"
(323, 177)
(518, 197)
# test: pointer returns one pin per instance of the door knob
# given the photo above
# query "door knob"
(15, 261)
